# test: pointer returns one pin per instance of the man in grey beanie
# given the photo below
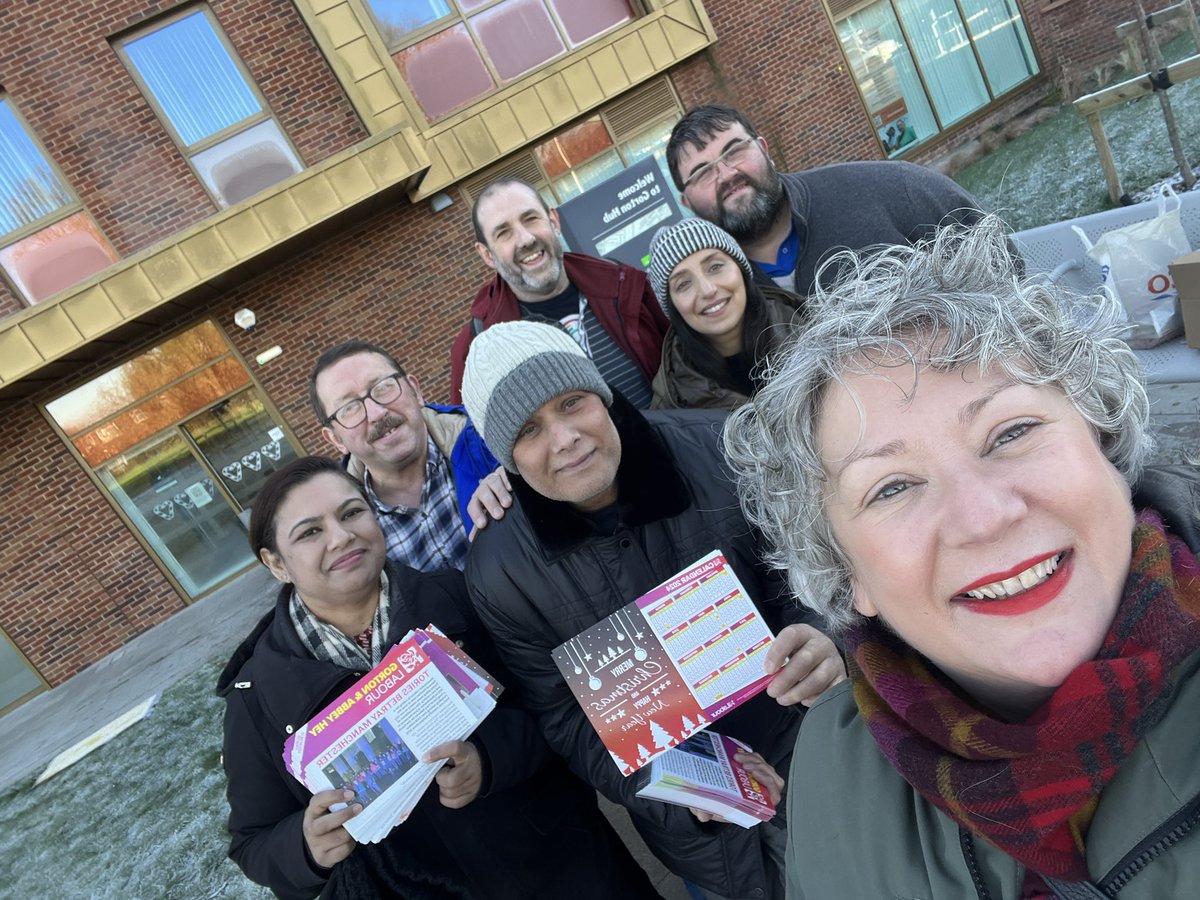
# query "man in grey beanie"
(609, 503)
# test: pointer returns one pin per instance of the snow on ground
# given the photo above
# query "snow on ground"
(143, 816)
(1052, 172)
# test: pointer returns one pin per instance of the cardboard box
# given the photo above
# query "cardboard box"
(1185, 272)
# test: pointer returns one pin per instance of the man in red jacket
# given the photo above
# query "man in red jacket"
(607, 307)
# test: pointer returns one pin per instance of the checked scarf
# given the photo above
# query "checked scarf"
(1031, 787)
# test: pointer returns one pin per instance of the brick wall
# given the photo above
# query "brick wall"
(76, 585)
(79, 99)
(779, 62)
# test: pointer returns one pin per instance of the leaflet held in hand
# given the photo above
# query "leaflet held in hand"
(424, 692)
(672, 661)
(703, 773)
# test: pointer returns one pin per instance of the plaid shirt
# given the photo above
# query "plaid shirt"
(431, 536)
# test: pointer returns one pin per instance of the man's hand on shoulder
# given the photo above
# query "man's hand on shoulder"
(490, 500)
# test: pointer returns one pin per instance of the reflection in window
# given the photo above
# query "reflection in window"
(517, 35)
(450, 56)
(1002, 42)
(425, 66)
(398, 18)
(583, 155)
(181, 441)
(45, 245)
(173, 502)
(916, 62)
(584, 20)
(201, 92)
(140, 377)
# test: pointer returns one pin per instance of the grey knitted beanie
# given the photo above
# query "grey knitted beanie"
(515, 367)
(674, 243)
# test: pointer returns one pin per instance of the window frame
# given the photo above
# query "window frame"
(118, 44)
(457, 17)
(837, 12)
(90, 471)
(525, 163)
(62, 213)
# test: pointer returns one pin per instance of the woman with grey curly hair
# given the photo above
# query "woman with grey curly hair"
(942, 462)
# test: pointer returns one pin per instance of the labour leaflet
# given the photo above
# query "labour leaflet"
(424, 692)
(703, 773)
(669, 663)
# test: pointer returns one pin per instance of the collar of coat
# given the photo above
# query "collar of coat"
(597, 279)
(649, 487)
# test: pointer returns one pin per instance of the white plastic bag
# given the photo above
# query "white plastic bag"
(1134, 264)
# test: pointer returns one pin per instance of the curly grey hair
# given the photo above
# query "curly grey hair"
(956, 300)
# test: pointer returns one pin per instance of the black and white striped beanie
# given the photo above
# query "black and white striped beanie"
(674, 243)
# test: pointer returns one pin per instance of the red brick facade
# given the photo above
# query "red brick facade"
(59, 68)
(76, 583)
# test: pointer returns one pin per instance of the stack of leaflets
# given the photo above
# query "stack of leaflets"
(370, 740)
(662, 668)
(702, 773)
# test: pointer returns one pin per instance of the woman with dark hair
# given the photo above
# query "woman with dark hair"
(503, 819)
(948, 464)
(723, 324)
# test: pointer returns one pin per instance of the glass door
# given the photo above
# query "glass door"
(242, 444)
(170, 498)
(182, 440)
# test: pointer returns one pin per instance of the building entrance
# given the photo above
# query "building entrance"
(182, 441)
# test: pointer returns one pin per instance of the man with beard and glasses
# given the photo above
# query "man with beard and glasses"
(423, 465)
(787, 224)
(609, 308)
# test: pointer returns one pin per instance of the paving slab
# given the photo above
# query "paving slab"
(40, 729)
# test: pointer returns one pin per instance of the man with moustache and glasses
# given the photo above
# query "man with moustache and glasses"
(787, 224)
(421, 463)
(609, 308)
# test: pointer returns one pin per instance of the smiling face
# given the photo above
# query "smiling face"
(743, 199)
(329, 544)
(981, 522)
(708, 290)
(569, 450)
(393, 437)
(521, 242)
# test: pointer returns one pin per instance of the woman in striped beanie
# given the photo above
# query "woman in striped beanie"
(723, 324)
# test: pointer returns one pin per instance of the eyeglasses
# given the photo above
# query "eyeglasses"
(353, 413)
(735, 154)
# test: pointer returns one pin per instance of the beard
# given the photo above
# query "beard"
(521, 282)
(752, 221)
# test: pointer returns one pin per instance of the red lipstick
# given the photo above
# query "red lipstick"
(1026, 601)
(1008, 573)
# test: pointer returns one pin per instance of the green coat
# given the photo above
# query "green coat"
(858, 831)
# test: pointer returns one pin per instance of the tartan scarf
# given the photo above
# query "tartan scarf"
(327, 643)
(1031, 788)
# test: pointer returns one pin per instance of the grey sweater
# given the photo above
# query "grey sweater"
(856, 205)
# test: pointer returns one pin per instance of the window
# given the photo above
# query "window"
(47, 243)
(583, 155)
(181, 440)
(210, 106)
(451, 52)
(923, 65)
(18, 679)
